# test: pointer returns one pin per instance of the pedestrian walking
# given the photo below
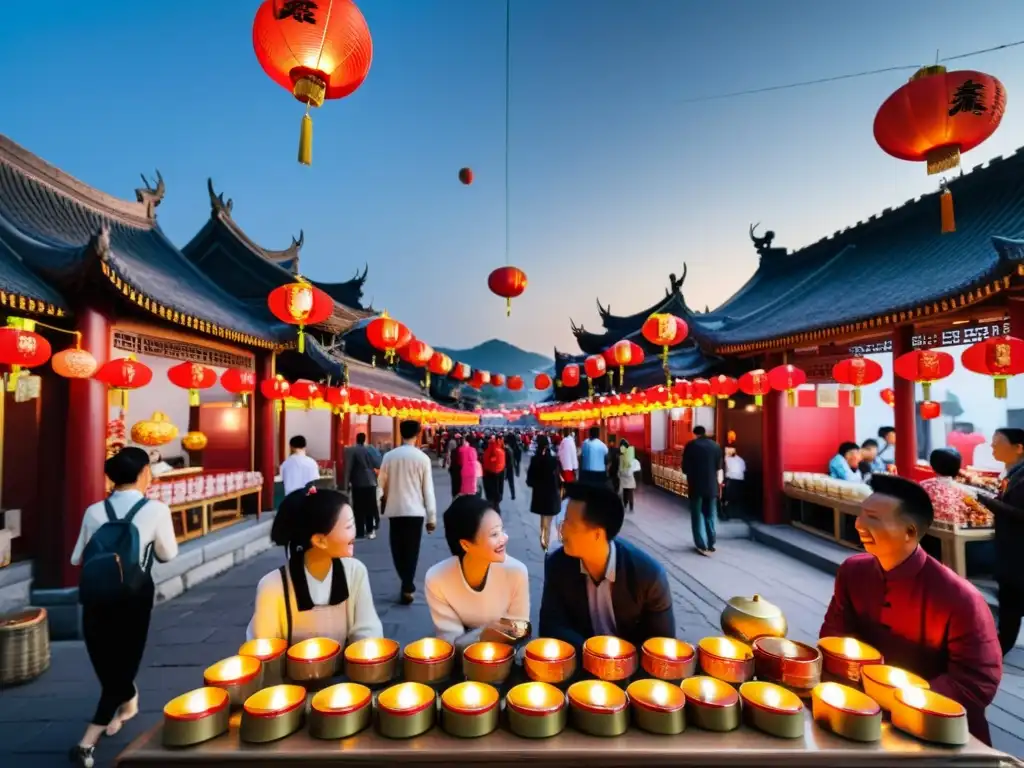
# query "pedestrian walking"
(511, 465)
(361, 477)
(627, 469)
(494, 462)
(735, 474)
(702, 465)
(543, 476)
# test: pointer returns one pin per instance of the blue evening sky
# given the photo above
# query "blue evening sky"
(615, 179)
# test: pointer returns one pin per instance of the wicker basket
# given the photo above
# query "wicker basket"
(24, 646)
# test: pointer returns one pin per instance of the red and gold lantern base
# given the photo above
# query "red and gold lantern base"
(726, 659)
(428, 661)
(843, 657)
(313, 660)
(846, 712)
(788, 663)
(930, 717)
(271, 653)
(240, 676)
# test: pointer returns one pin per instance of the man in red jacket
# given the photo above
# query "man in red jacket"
(916, 611)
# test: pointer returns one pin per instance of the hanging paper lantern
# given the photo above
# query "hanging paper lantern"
(625, 353)
(924, 366)
(239, 382)
(755, 383)
(786, 378)
(682, 392)
(700, 390)
(507, 282)
(193, 377)
(194, 441)
(307, 390)
(888, 396)
(657, 396)
(466, 176)
(665, 330)
(123, 375)
(156, 430)
(276, 389)
(23, 348)
(461, 372)
(856, 372)
(1000, 357)
(74, 363)
(497, 380)
(541, 382)
(515, 383)
(300, 304)
(723, 387)
(594, 366)
(930, 410)
(316, 50)
(337, 396)
(571, 375)
(388, 335)
(440, 364)
(936, 117)
(479, 379)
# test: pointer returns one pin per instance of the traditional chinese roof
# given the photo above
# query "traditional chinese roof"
(892, 268)
(67, 235)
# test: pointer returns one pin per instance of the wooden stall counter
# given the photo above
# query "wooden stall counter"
(501, 749)
(203, 501)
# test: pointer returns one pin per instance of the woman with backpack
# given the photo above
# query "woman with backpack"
(119, 538)
(321, 591)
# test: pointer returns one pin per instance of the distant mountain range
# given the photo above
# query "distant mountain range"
(496, 356)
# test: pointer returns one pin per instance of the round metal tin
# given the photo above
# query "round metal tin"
(612, 667)
(786, 662)
(731, 669)
(399, 720)
(469, 717)
(783, 717)
(273, 713)
(364, 665)
(711, 704)
(488, 662)
(313, 660)
(271, 652)
(846, 712)
(240, 676)
(608, 716)
(340, 711)
(195, 717)
(537, 716)
(657, 707)
(547, 660)
(668, 659)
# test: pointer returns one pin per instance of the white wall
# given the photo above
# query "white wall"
(315, 426)
(659, 430)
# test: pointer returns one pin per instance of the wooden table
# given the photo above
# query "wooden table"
(501, 749)
(954, 544)
(212, 519)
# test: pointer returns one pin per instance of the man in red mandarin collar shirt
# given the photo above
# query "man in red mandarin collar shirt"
(917, 612)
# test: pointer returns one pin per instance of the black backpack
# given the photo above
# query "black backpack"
(111, 567)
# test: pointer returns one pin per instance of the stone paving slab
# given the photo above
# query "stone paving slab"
(40, 720)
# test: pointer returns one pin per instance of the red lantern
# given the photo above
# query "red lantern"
(665, 331)
(300, 304)
(888, 396)
(515, 383)
(682, 391)
(466, 176)
(571, 375)
(925, 366)
(124, 374)
(623, 353)
(440, 364)
(786, 378)
(336, 396)
(461, 372)
(239, 382)
(507, 282)
(387, 334)
(193, 377)
(856, 372)
(23, 349)
(723, 387)
(316, 50)
(417, 353)
(74, 363)
(541, 382)
(936, 117)
(497, 380)
(700, 390)
(930, 410)
(999, 357)
(595, 367)
(755, 383)
(658, 395)
(307, 390)
(276, 388)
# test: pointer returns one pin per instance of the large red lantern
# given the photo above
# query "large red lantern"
(723, 387)
(924, 366)
(665, 330)
(440, 364)
(387, 334)
(595, 367)
(755, 383)
(300, 304)
(317, 50)
(74, 363)
(466, 176)
(515, 383)
(786, 378)
(124, 374)
(1000, 357)
(625, 353)
(856, 372)
(307, 390)
(461, 372)
(193, 377)
(936, 117)
(239, 382)
(570, 375)
(276, 388)
(682, 392)
(23, 349)
(541, 382)
(700, 391)
(417, 353)
(507, 282)
(888, 396)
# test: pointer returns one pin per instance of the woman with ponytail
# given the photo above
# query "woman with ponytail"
(321, 591)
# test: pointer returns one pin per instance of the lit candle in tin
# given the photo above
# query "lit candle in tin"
(340, 711)
(196, 716)
(405, 710)
(428, 660)
(609, 658)
(930, 716)
(273, 713)
(845, 656)
(536, 710)
(547, 660)
(371, 661)
(313, 659)
(240, 676)
(658, 707)
(599, 708)
(789, 663)
(773, 709)
(711, 704)
(846, 712)
(270, 652)
(727, 659)
(668, 658)
(469, 709)
(881, 681)
(488, 662)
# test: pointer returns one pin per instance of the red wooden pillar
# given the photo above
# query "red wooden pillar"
(282, 434)
(772, 460)
(263, 429)
(904, 407)
(338, 444)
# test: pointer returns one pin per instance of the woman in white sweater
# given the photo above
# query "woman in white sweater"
(321, 591)
(479, 584)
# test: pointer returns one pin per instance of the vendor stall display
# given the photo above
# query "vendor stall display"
(202, 501)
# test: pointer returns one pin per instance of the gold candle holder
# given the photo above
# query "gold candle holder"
(844, 657)
(313, 660)
(609, 658)
(667, 658)
(881, 682)
(658, 707)
(240, 676)
(727, 659)
(270, 652)
(340, 711)
(547, 660)
(773, 709)
(711, 704)
(195, 717)
(788, 663)
(488, 662)
(846, 712)
(371, 661)
(929, 716)
(406, 710)
(273, 713)
(536, 710)
(469, 710)
(598, 707)
(427, 661)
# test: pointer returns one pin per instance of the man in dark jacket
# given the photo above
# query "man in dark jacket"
(596, 584)
(361, 478)
(702, 461)
(1008, 511)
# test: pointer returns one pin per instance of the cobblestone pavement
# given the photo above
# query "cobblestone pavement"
(39, 721)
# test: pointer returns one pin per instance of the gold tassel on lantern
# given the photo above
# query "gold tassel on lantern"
(1000, 386)
(946, 206)
(856, 396)
(926, 390)
(791, 397)
(302, 340)
(306, 142)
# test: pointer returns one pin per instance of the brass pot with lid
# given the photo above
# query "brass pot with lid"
(748, 618)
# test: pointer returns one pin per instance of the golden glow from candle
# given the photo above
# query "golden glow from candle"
(849, 648)
(549, 649)
(196, 704)
(726, 648)
(771, 696)
(668, 648)
(708, 690)
(538, 698)
(405, 697)
(597, 694)
(340, 698)
(893, 677)
(372, 650)
(429, 649)
(232, 670)
(264, 649)
(845, 698)
(470, 697)
(488, 652)
(275, 700)
(929, 702)
(609, 647)
(314, 649)
(656, 693)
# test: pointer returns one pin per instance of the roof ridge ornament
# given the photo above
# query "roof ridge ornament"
(763, 245)
(151, 195)
(605, 311)
(297, 244)
(100, 244)
(217, 202)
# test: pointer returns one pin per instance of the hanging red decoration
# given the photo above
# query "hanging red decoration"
(239, 382)
(625, 353)
(665, 330)
(388, 335)
(440, 364)
(682, 392)
(700, 391)
(479, 379)
(317, 50)
(786, 378)
(1000, 357)
(123, 375)
(930, 410)
(856, 372)
(924, 366)
(23, 348)
(300, 304)
(276, 388)
(466, 176)
(336, 396)
(723, 387)
(417, 353)
(936, 117)
(193, 377)
(507, 282)
(888, 396)
(755, 383)
(461, 372)
(497, 380)
(541, 382)
(595, 367)
(74, 363)
(515, 383)
(307, 390)
(570, 375)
